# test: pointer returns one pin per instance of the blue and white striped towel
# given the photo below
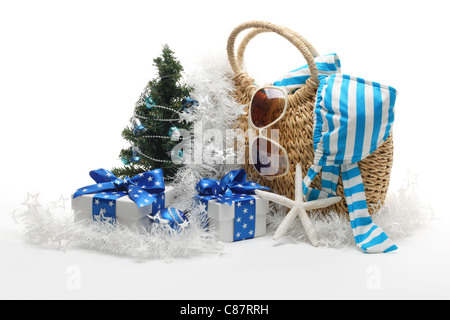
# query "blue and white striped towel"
(326, 65)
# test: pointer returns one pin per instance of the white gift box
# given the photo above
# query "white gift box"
(222, 217)
(127, 212)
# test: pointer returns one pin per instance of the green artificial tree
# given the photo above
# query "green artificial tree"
(152, 132)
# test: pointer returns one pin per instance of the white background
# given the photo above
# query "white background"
(71, 71)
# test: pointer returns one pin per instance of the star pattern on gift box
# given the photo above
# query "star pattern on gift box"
(139, 196)
(104, 203)
(235, 191)
(103, 208)
(145, 189)
(244, 222)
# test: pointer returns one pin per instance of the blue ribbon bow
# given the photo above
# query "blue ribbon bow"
(140, 189)
(224, 190)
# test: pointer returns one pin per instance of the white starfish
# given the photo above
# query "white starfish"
(298, 207)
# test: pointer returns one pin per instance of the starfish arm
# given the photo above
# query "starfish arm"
(307, 224)
(285, 202)
(321, 203)
(287, 221)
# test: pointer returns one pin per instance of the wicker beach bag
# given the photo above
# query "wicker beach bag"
(296, 127)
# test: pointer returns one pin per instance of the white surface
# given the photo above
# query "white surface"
(254, 269)
(72, 71)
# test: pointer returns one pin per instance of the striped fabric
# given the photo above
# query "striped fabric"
(368, 236)
(314, 194)
(353, 117)
(326, 65)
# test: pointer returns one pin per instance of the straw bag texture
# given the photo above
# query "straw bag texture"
(296, 127)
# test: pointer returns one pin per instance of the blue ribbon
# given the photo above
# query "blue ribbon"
(232, 183)
(233, 187)
(143, 189)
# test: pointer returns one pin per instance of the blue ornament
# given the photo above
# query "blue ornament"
(136, 155)
(176, 159)
(149, 102)
(172, 217)
(125, 161)
(189, 104)
(138, 127)
(174, 133)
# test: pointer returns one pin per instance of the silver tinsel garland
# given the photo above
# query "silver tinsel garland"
(404, 210)
(53, 225)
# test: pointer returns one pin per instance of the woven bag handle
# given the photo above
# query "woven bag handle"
(249, 36)
(291, 36)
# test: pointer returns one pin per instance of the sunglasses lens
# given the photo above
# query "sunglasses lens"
(267, 106)
(269, 159)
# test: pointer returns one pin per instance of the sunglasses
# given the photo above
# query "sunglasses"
(267, 106)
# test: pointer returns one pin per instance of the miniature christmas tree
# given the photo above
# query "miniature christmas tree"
(154, 129)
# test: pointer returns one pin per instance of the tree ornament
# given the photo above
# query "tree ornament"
(149, 101)
(125, 161)
(177, 159)
(136, 154)
(138, 127)
(174, 133)
(189, 104)
(171, 217)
